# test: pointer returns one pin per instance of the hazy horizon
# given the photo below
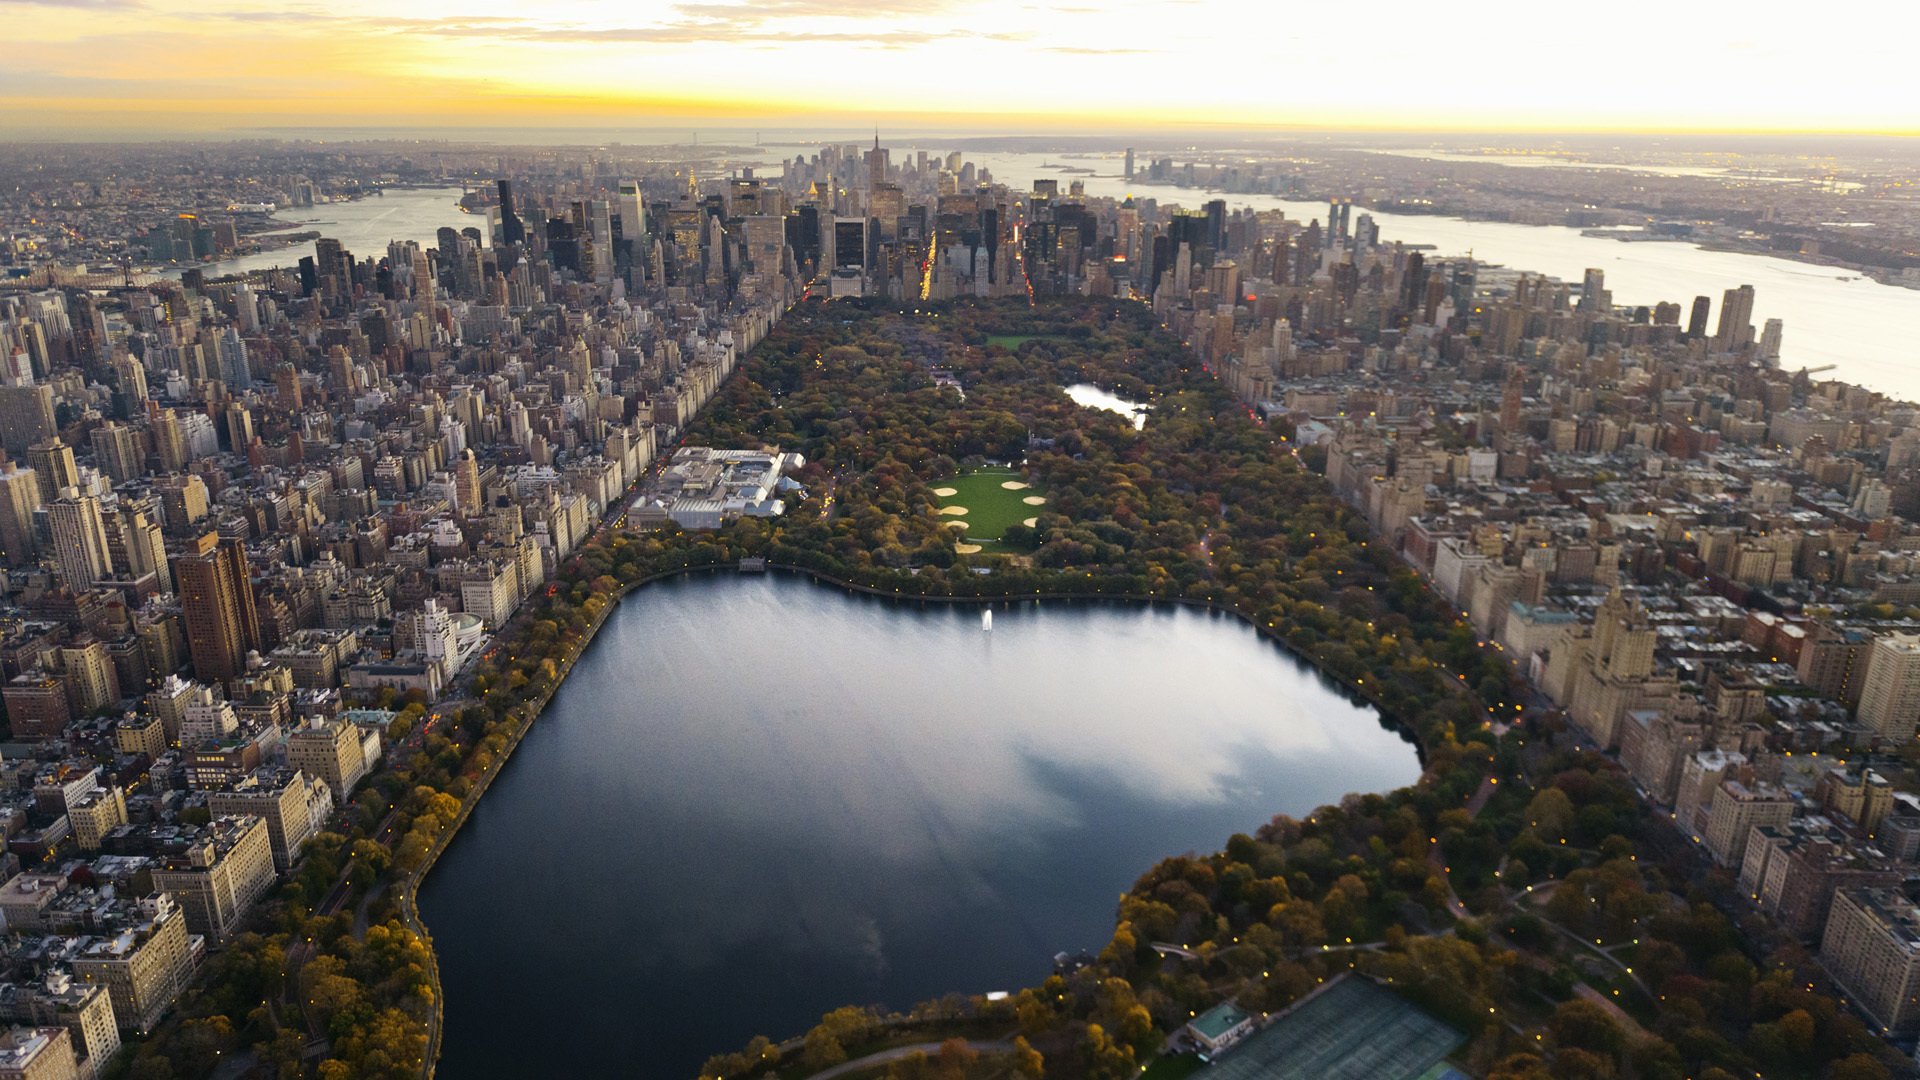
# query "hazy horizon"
(124, 69)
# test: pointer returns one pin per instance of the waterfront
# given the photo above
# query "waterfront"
(1833, 315)
(365, 226)
(766, 799)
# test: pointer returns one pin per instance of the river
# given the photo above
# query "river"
(365, 226)
(757, 798)
(1866, 330)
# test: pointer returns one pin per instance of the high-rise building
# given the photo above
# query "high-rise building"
(144, 966)
(1593, 292)
(220, 875)
(54, 468)
(234, 369)
(1697, 319)
(1736, 320)
(1890, 697)
(79, 539)
(38, 1053)
(294, 805)
(1872, 949)
(117, 450)
(1770, 336)
(1129, 163)
(19, 498)
(216, 602)
(466, 483)
(329, 751)
(26, 417)
(1734, 812)
(512, 230)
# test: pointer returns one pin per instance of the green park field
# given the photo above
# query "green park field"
(1012, 342)
(991, 506)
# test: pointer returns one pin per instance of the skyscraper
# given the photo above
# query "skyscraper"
(1129, 163)
(1890, 702)
(53, 467)
(79, 539)
(234, 370)
(1770, 339)
(1697, 320)
(19, 498)
(1736, 320)
(511, 229)
(216, 603)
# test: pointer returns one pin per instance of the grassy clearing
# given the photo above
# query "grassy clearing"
(992, 509)
(1012, 342)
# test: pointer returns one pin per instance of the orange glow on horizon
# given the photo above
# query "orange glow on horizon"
(220, 66)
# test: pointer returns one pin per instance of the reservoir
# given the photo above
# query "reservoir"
(758, 798)
(1089, 396)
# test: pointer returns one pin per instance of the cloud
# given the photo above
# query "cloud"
(76, 5)
(1075, 50)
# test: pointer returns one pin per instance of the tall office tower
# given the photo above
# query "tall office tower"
(246, 308)
(1770, 340)
(1593, 291)
(79, 539)
(511, 228)
(1736, 320)
(886, 207)
(1129, 163)
(117, 450)
(234, 370)
(850, 243)
(466, 483)
(632, 208)
(135, 545)
(26, 416)
(600, 231)
(216, 603)
(1510, 403)
(1216, 211)
(131, 380)
(1183, 269)
(286, 387)
(1697, 319)
(877, 164)
(52, 463)
(19, 498)
(1890, 701)
(169, 442)
(332, 264)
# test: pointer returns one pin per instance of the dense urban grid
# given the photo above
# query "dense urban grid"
(295, 556)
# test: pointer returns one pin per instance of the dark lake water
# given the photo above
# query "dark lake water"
(758, 798)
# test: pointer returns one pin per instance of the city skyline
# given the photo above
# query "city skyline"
(147, 68)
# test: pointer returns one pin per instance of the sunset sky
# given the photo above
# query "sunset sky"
(75, 68)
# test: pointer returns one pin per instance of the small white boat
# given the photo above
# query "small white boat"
(986, 620)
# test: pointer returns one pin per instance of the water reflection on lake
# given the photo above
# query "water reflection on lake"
(757, 799)
(1090, 396)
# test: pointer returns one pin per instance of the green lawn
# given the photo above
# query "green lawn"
(991, 508)
(1012, 342)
